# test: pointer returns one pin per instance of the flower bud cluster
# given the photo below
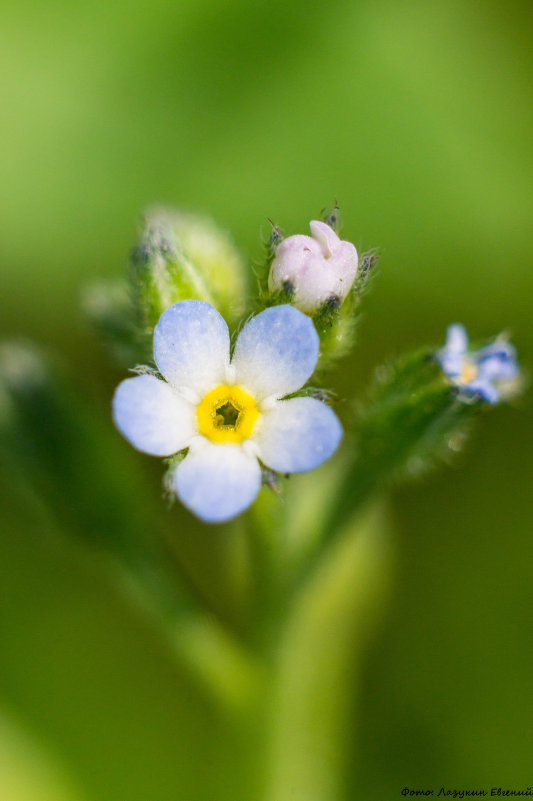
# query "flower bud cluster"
(230, 417)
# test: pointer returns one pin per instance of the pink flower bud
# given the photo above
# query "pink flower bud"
(316, 268)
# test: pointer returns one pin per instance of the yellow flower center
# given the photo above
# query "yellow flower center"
(227, 414)
(468, 373)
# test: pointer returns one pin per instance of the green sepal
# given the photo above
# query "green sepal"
(337, 324)
(328, 396)
(264, 297)
(271, 479)
(172, 463)
(332, 217)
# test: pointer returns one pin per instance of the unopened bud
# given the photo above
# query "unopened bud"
(318, 269)
(181, 256)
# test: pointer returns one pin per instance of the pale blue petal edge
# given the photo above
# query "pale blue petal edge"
(276, 352)
(497, 362)
(191, 345)
(456, 338)
(218, 482)
(482, 389)
(297, 435)
(150, 415)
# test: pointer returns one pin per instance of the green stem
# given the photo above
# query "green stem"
(318, 659)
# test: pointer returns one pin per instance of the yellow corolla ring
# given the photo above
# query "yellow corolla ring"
(227, 414)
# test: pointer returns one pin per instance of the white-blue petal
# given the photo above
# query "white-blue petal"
(497, 362)
(218, 482)
(297, 435)
(276, 352)
(482, 388)
(451, 363)
(151, 416)
(191, 346)
(456, 338)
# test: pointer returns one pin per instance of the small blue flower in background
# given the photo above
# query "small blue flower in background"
(489, 373)
(228, 413)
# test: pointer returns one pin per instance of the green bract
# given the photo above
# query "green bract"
(181, 256)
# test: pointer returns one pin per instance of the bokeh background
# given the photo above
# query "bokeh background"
(418, 118)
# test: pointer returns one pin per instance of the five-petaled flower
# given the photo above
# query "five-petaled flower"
(228, 413)
(489, 373)
(317, 268)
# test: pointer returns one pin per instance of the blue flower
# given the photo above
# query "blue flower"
(228, 413)
(489, 373)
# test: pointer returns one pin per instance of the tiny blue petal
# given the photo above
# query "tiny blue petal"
(497, 362)
(482, 389)
(451, 357)
(451, 363)
(456, 339)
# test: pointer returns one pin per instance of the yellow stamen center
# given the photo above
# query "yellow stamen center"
(468, 373)
(227, 414)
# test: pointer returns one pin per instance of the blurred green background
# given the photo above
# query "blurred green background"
(417, 117)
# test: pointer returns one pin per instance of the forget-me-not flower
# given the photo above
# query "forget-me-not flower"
(316, 268)
(229, 413)
(488, 373)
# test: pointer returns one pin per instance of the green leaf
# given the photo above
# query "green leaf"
(60, 459)
(410, 421)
